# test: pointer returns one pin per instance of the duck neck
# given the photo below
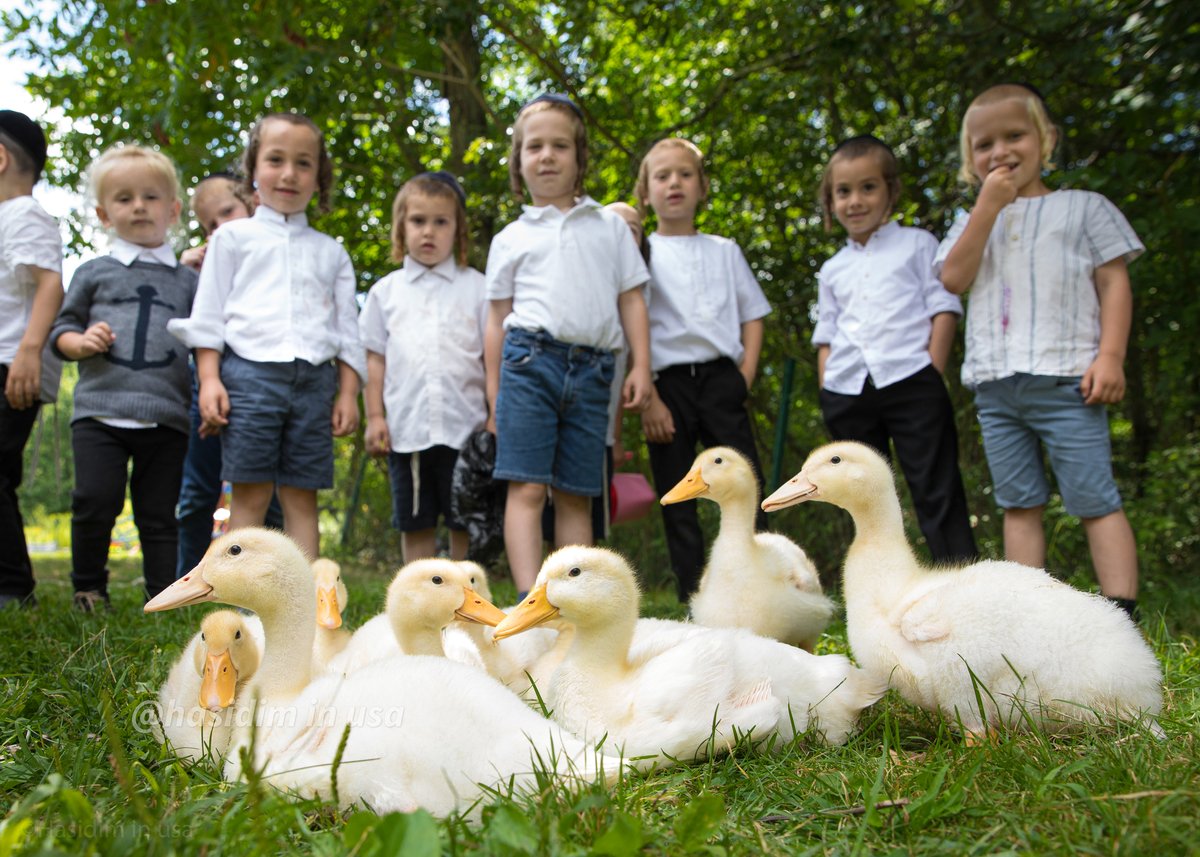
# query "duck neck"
(420, 640)
(602, 649)
(737, 521)
(288, 630)
(880, 561)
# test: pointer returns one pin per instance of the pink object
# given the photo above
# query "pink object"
(631, 497)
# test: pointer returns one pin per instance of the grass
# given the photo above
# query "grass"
(79, 775)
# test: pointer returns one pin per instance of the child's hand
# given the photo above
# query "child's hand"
(214, 408)
(193, 257)
(637, 389)
(657, 422)
(345, 413)
(377, 439)
(999, 188)
(24, 379)
(1104, 381)
(97, 339)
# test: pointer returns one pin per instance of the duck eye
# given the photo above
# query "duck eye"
(575, 572)
(837, 459)
(472, 581)
(237, 635)
(234, 550)
(202, 637)
(717, 460)
(437, 580)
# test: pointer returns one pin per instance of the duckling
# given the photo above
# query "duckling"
(332, 598)
(1030, 648)
(421, 732)
(426, 596)
(677, 691)
(195, 702)
(763, 582)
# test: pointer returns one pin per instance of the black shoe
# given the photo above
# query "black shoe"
(91, 600)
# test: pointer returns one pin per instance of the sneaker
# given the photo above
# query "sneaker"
(90, 600)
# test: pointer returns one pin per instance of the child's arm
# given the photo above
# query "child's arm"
(657, 423)
(941, 340)
(193, 257)
(376, 437)
(752, 340)
(962, 263)
(493, 351)
(1104, 381)
(822, 358)
(213, 398)
(95, 340)
(636, 323)
(345, 406)
(25, 373)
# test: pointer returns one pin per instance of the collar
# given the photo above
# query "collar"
(546, 212)
(270, 215)
(880, 234)
(126, 252)
(414, 270)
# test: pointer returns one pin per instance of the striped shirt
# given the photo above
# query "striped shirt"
(1033, 307)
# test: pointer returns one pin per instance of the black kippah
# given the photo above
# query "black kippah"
(555, 98)
(28, 135)
(449, 181)
(863, 139)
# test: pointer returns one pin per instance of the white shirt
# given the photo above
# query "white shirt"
(702, 292)
(29, 238)
(1033, 307)
(274, 290)
(428, 324)
(564, 271)
(875, 308)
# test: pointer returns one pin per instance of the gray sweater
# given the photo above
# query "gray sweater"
(144, 376)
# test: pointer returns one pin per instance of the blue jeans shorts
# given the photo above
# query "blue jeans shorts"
(552, 412)
(421, 487)
(1021, 413)
(279, 422)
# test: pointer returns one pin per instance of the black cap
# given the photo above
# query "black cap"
(28, 135)
(555, 98)
(449, 181)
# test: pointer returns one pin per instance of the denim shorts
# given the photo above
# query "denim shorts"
(1021, 413)
(421, 488)
(279, 422)
(552, 413)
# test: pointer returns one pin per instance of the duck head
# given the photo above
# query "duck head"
(226, 657)
(331, 593)
(845, 474)
(717, 473)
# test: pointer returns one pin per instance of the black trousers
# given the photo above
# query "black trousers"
(16, 572)
(708, 404)
(917, 416)
(102, 456)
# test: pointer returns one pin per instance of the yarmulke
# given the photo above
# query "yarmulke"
(28, 135)
(449, 181)
(554, 98)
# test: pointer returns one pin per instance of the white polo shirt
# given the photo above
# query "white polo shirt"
(274, 290)
(564, 271)
(428, 324)
(875, 308)
(28, 238)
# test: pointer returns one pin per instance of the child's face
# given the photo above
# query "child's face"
(138, 203)
(216, 203)
(1003, 137)
(631, 217)
(548, 165)
(860, 195)
(674, 188)
(285, 172)
(430, 226)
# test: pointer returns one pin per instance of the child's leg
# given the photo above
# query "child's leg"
(523, 531)
(1114, 554)
(16, 572)
(1024, 537)
(460, 542)
(724, 419)
(199, 492)
(418, 544)
(300, 517)
(101, 465)
(158, 455)
(248, 505)
(572, 519)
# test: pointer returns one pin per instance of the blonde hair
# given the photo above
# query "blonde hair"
(132, 153)
(324, 162)
(428, 186)
(862, 146)
(208, 183)
(1038, 115)
(642, 189)
(581, 144)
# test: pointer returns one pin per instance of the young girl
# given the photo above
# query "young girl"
(423, 330)
(275, 307)
(216, 199)
(884, 332)
(706, 334)
(1047, 327)
(131, 401)
(564, 281)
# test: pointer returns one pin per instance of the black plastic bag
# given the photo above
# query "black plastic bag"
(477, 500)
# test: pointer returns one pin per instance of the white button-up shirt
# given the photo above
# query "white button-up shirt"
(274, 290)
(126, 252)
(428, 324)
(875, 308)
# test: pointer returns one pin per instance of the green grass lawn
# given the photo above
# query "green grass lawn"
(79, 775)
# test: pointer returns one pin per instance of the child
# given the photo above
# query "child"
(30, 296)
(423, 330)
(564, 283)
(1047, 328)
(706, 332)
(131, 401)
(884, 332)
(217, 199)
(275, 306)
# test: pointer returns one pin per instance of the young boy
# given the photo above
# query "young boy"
(133, 392)
(30, 295)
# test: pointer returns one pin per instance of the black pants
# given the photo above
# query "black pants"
(16, 572)
(916, 414)
(708, 404)
(102, 455)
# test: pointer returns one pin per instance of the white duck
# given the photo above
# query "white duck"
(194, 703)
(332, 598)
(422, 732)
(1039, 649)
(675, 688)
(426, 596)
(763, 582)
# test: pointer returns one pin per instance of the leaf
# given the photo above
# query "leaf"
(512, 830)
(699, 820)
(411, 834)
(623, 837)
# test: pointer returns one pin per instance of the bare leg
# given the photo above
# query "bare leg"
(1024, 538)
(523, 531)
(418, 544)
(248, 505)
(459, 542)
(300, 518)
(1114, 554)
(572, 519)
